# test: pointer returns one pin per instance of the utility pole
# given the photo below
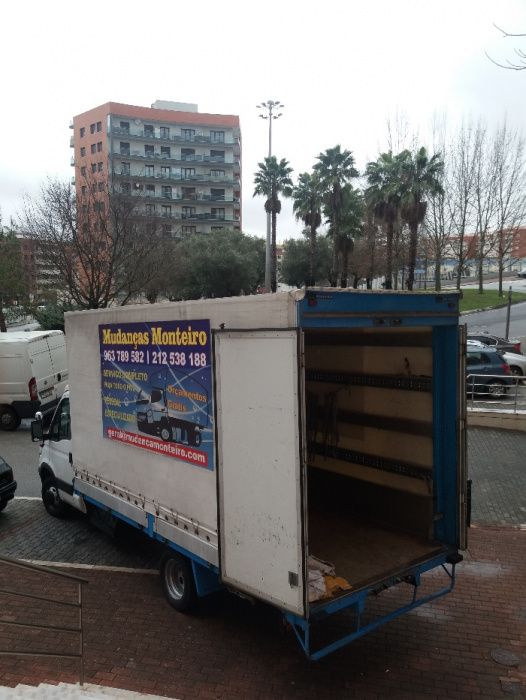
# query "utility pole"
(269, 106)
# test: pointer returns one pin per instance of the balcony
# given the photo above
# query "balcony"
(175, 138)
(198, 158)
(71, 141)
(178, 216)
(184, 198)
(71, 125)
(198, 178)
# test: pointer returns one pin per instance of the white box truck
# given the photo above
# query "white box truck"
(33, 374)
(305, 449)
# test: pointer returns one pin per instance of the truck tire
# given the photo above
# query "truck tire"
(9, 418)
(165, 432)
(3, 505)
(178, 581)
(497, 389)
(194, 437)
(51, 498)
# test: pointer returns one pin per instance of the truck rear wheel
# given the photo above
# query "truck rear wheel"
(9, 419)
(178, 581)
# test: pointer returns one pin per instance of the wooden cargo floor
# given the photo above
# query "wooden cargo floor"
(362, 552)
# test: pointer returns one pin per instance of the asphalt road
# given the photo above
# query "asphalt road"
(494, 321)
(18, 451)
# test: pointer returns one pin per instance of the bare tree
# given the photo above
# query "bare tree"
(519, 63)
(484, 185)
(460, 198)
(510, 192)
(103, 248)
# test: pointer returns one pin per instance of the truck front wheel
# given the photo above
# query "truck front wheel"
(178, 581)
(51, 498)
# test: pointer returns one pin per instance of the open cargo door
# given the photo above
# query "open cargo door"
(260, 472)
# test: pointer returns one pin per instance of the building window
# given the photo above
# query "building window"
(99, 147)
(165, 132)
(166, 210)
(83, 171)
(188, 230)
(187, 153)
(188, 134)
(187, 172)
(217, 136)
(82, 151)
(101, 186)
(189, 193)
(94, 167)
(167, 230)
(149, 170)
(84, 190)
(94, 188)
(188, 212)
(150, 209)
(92, 128)
(99, 167)
(99, 126)
(124, 148)
(125, 168)
(149, 151)
(150, 190)
(217, 156)
(84, 208)
(167, 192)
(93, 148)
(217, 173)
(166, 152)
(216, 228)
(218, 213)
(82, 131)
(217, 194)
(125, 127)
(165, 171)
(148, 130)
(126, 188)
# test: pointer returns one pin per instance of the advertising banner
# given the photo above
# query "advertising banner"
(157, 388)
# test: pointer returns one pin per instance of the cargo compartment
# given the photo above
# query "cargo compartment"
(369, 434)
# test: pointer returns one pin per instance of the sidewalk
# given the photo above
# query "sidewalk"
(232, 650)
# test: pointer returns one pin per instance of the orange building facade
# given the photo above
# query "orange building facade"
(181, 167)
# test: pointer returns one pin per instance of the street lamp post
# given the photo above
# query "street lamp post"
(269, 106)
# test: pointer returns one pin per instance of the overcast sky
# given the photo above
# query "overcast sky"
(342, 69)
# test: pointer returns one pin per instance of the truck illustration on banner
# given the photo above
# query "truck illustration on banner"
(175, 406)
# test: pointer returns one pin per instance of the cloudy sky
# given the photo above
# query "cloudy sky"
(342, 69)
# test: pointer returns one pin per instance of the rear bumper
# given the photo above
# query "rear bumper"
(7, 491)
(27, 409)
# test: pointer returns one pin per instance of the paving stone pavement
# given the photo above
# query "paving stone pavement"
(497, 467)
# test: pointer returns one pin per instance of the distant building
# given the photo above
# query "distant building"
(183, 166)
(43, 282)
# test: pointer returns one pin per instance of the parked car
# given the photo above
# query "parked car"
(486, 371)
(494, 341)
(7, 484)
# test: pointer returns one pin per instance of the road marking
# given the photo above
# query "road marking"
(91, 567)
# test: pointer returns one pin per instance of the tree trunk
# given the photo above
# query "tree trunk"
(501, 272)
(389, 256)
(333, 277)
(481, 272)
(312, 256)
(413, 245)
(345, 265)
(438, 278)
(3, 327)
(368, 282)
(273, 256)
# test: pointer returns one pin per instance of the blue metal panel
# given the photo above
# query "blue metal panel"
(148, 530)
(346, 309)
(206, 579)
(445, 439)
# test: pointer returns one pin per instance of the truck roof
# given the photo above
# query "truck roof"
(26, 336)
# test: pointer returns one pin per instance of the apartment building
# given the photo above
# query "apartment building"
(181, 167)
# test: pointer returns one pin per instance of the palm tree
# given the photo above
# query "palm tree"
(307, 206)
(350, 228)
(421, 177)
(384, 195)
(271, 180)
(335, 169)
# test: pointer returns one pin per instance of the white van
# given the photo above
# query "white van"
(33, 374)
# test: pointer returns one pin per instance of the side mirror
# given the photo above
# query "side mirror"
(37, 431)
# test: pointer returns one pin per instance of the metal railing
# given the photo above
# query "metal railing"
(55, 628)
(496, 392)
